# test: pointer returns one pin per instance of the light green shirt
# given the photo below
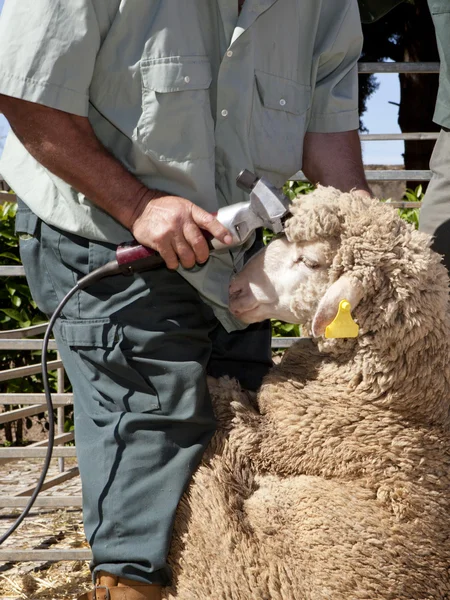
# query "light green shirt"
(185, 94)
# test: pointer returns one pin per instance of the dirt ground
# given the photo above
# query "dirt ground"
(43, 528)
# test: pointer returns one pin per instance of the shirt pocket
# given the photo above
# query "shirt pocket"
(278, 123)
(176, 122)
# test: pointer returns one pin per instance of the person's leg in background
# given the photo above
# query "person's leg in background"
(245, 355)
(435, 212)
(135, 349)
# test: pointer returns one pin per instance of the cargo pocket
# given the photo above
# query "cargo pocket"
(32, 255)
(119, 383)
(176, 121)
(278, 123)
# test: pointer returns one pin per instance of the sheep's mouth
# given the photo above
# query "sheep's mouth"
(242, 301)
(247, 315)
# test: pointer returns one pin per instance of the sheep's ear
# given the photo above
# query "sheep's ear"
(345, 288)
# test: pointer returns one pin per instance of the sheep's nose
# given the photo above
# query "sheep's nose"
(232, 297)
(234, 290)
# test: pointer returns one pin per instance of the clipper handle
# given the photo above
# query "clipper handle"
(133, 257)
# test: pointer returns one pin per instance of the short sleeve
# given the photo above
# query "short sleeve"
(335, 97)
(48, 52)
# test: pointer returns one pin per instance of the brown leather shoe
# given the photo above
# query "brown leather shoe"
(111, 587)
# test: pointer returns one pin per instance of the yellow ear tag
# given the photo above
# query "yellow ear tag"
(343, 326)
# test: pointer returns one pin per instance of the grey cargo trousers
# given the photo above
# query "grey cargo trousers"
(136, 350)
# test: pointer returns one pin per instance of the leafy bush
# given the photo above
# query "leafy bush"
(412, 214)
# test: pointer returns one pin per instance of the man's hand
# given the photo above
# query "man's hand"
(172, 226)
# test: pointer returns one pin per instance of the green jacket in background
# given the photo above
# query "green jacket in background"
(440, 11)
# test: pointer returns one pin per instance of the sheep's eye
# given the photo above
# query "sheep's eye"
(311, 264)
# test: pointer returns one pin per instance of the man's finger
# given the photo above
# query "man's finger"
(169, 255)
(207, 221)
(184, 251)
(195, 238)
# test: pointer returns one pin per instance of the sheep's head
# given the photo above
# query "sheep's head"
(342, 246)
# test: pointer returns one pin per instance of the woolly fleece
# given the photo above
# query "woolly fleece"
(335, 482)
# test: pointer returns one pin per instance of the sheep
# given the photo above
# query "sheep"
(334, 483)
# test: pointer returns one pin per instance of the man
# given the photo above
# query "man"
(435, 211)
(132, 119)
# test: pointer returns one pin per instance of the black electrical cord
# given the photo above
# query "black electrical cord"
(111, 268)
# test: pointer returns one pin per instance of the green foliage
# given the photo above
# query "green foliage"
(292, 189)
(412, 214)
(281, 329)
(68, 424)
(17, 308)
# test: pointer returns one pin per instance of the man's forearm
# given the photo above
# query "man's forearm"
(335, 159)
(67, 146)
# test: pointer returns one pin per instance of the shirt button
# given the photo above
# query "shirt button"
(230, 53)
(224, 113)
(283, 102)
(187, 79)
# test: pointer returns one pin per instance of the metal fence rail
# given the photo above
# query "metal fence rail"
(383, 175)
(44, 555)
(23, 340)
(399, 67)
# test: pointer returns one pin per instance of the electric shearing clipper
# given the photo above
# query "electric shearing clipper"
(266, 208)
